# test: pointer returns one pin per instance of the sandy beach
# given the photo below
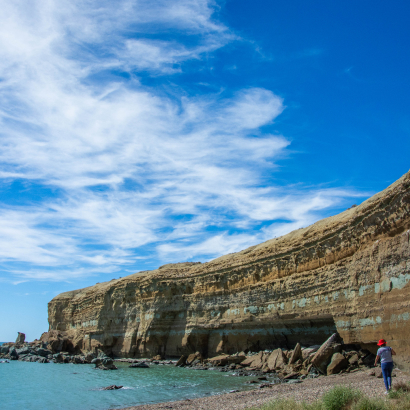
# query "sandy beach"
(309, 390)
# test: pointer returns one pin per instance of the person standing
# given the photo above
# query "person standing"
(385, 353)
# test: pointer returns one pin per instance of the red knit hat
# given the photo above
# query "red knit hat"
(381, 342)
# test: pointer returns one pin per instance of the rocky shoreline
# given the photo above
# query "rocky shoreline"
(308, 391)
(302, 372)
(332, 357)
(293, 365)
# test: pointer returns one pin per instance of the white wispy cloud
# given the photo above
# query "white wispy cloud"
(132, 167)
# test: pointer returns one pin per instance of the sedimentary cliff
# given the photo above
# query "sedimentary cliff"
(347, 273)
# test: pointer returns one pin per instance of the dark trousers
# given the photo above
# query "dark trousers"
(387, 368)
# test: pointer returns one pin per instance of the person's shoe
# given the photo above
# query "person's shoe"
(386, 392)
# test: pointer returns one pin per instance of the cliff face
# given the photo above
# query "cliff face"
(348, 273)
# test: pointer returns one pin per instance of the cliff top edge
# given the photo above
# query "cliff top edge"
(281, 245)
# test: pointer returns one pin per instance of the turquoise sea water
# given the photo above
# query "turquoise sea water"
(50, 386)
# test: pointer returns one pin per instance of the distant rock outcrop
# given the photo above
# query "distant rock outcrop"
(348, 273)
(21, 337)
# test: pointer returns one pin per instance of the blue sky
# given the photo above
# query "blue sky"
(138, 133)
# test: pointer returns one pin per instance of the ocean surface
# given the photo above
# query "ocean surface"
(49, 386)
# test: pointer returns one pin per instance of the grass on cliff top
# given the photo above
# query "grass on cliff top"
(346, 398)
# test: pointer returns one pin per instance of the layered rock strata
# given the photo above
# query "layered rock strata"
(348, 273)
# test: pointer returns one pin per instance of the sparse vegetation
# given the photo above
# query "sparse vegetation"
(347, 398)
(340, 397)
(401, 387)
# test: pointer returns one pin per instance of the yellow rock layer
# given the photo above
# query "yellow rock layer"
(348, 273)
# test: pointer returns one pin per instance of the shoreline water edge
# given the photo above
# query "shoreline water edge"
(148, 382)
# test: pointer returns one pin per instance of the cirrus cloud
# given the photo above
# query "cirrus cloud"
(133, 173)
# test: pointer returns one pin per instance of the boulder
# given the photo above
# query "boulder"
(108, 365)
(354, 359)
(23, 350)
(322, 357)
(4, 349)
(43, 352)
(276, 360)
(77, 360)
(21, 337)
(293, 375)
(237, 359)
(13, 353)
(58, 358)
(255, 362)
(101, 354)
(157, 357)
(219, 360)
(308, 351)
(296, 354)
(89, 357)
(338, 363)
(192, 357)
(107, 361)
(181, 361)
(112, 387)
(368, 360)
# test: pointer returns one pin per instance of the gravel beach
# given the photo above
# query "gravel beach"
(309, 390)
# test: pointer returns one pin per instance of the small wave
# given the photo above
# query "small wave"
(186, 385)
(128, 388)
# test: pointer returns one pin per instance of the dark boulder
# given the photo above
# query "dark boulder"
(58, 358)
(44, 352)
(107, 361)
(77, 360)
(13, 353)
(89, 357)
(4, 349)
(112, 387)
(23, 350)
(104, 364)
(368, 360)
